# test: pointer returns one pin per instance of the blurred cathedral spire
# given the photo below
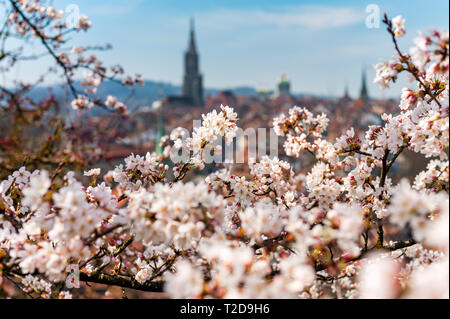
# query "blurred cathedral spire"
(192, 81)
(192, 37)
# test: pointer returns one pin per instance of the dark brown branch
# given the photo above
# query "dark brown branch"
(359, 152)
(411, 68)
(394, 158)
(121, 281)
(384, 171)
(103, 233)
(390, 247)
(124, 246)
(45, 44)
(400, 244)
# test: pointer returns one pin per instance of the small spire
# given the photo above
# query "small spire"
(346, 94)
(364, 94)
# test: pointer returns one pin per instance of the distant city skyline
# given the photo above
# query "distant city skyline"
(321, 47)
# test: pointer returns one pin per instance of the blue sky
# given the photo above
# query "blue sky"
(320, 45)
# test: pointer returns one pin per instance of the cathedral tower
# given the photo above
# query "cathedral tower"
(192, 82)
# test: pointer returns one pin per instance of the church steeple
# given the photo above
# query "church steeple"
(192, 82)
(364, 95)
(192, 38)
(346, 95)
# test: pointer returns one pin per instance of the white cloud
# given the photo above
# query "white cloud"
(114, 8)
(310, 17)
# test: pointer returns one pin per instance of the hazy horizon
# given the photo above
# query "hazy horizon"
(321, 47)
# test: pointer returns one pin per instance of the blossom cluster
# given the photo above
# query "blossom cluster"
(139, 171)
(205, 138)
(301, 128)
(177, 215)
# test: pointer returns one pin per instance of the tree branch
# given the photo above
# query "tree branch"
(121, 281)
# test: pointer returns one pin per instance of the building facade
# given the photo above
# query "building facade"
(284, 87)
